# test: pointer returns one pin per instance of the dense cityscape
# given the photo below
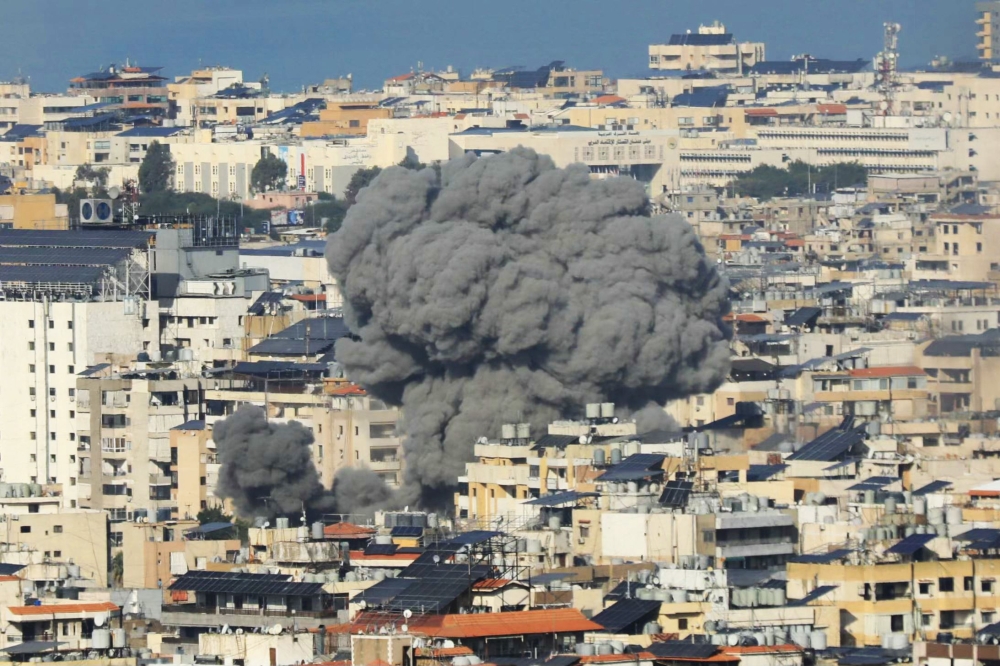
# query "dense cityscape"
(508, 366)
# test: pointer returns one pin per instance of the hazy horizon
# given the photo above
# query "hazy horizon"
(305, 41)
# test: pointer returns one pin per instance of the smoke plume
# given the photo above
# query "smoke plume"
(504, 289)
(653, 417)
(267, 468)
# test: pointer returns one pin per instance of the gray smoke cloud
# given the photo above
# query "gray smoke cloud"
(266, 468)
(503, 289)
(653, 417)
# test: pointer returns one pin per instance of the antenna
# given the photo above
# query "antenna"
(887, 66)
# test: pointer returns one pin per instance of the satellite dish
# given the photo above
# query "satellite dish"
(275, 630)
(404, 628)
(267, 524)
(114, 192)
(437, 559)
(100, 619)
(407, 613)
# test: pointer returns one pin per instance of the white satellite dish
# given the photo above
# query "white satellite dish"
(404, 628)
(114, 192)
(275, 630)
(437, 559)
(407, 613)
(100, 619)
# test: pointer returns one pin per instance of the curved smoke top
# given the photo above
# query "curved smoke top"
(266, 468)
(503, 289)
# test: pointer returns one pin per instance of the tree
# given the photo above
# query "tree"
(118, 569)
(213, 515)
(799, 179)
(156, 169)
(172, 204)
(98, 177)
(361, 179)
(411, 161)
(268, 174)
(328, 212)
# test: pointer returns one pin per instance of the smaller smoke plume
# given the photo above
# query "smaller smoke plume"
(653, 417)
(267, 468)
(358, 490)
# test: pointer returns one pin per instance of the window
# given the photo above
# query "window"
(52, 323)
(70, 369)
(708, 536)
(31, 368)
(31, 346)
(988, 617)
(926, 619)
(986, 585)
(31, 413)
(947, 620)
(682, 623)
(896, 622)
(52, 346)
(25, 529)
(52, 369)
(968, 584)
(31, 323)
(57, 529)
(730, 401)
(584, 531)
(924, 588)
(69, 346)
(700, 400)
(946, 584)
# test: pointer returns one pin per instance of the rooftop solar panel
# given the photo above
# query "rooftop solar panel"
(820, 591)
(406, 531)
(626, 613)
(764, 472)
(557, 441)
(97, 238)
(443, 551)
(676, 493)
(636, 466)
(436, 587)
(932, 487)
(380, 549)
(555, 499)
(911, 544)
(873, 483)
(229, 583)
(474, 537)
(979, 534)
(823, 558)
(75, 275)
(63, 255)
(384, 591)
(832, 444)
(682, 650)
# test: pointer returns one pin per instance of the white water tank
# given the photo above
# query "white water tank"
(533, 546)
(555, 522)
(383, 539)
(585, 649)
(604, 648)
(593, 411)
(523, 430)
(100, 639)
(953, 515)
(919, 505)
(317, 531)
(118, 637)
(890, 505)
(616, 455)
(817, 640)
(607, 410)
(598, 456)
(935, 516)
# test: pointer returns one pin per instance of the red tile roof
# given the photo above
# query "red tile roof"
(761, 112)
(7, 579)
(347, 531)
(457, 651)
(346, 388)
(888, 371)
(609, 99)
(832, 109)
(518, 623)
(403, 77)
(65, 609)
(746, 318)
(491, 584)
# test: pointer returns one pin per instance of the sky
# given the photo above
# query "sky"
(305, 41)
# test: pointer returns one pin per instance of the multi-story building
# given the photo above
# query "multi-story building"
(988, 34)
(710, 49)
(129, 88)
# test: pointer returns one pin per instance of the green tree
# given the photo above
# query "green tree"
(156, 169)
(118, 569)
(361, 179)
(213, 515)
(98, 176)
(411, 162)
(328, 212)
(799, 179)
(268, 174)
(172, 204)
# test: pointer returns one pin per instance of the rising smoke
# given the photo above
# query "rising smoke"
(267, 468)
(504, 289)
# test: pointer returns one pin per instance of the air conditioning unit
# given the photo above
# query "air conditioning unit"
(96, 211)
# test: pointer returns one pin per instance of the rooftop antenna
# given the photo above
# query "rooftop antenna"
(887, 66)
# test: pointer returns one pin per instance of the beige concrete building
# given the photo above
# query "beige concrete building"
(155, 553)
(32, 211)
(193, 470)
(710, 49)
(47, 542)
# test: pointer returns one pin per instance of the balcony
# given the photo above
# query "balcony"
(193, 616)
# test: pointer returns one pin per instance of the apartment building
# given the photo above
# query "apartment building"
(963, 248)
(711, 49)
(960, 370)
(988, 34)
(345, 118)
(32, 211)
(46, 544)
